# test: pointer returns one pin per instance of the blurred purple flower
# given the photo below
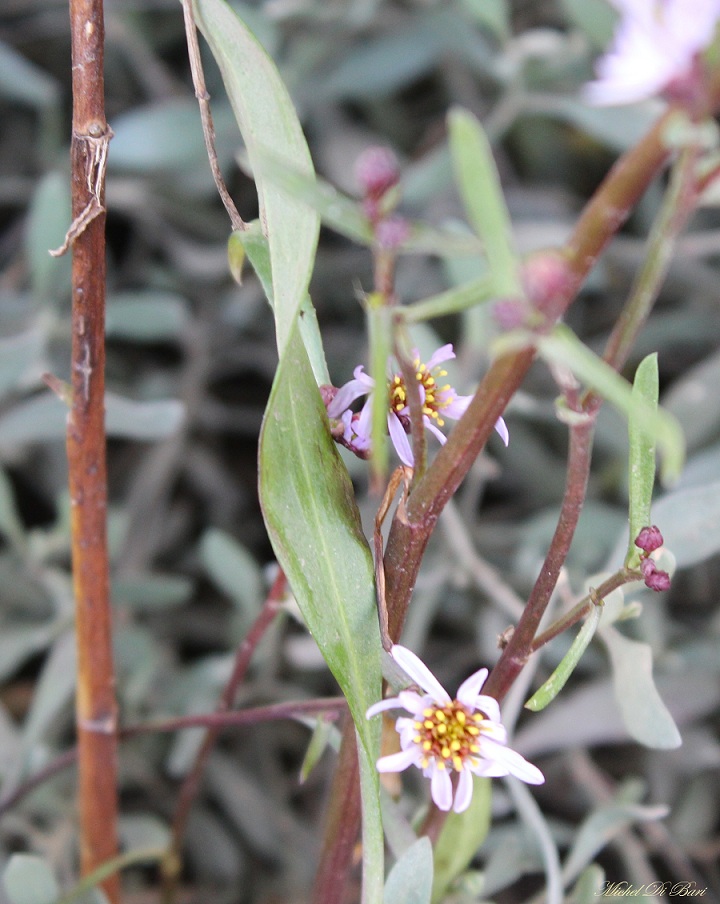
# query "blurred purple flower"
(438, 402)
(654, 49)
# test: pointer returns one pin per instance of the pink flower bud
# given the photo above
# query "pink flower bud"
(546, 277)
(655, 578)
(649, 539)
(376, 171)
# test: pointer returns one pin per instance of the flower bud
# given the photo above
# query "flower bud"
(649, 539)
(546, 277)
(509, 313)
(655, 578)
(376, 170)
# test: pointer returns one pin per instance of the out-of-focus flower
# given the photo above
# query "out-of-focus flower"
(377, 170)
(439, 401)
(443, 736)
(654, 49)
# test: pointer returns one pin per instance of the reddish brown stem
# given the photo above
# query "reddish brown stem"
(342, 824)
(519, 646)
(190, 786)
(328, 708)
(96, 703)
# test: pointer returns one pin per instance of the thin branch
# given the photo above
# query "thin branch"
(191, 785)
(201, 93)
(331, 707)
(519, 645)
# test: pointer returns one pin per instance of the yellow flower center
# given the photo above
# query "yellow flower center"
(449, 733)
(434, 401)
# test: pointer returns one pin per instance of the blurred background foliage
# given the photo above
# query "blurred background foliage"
(190, 360)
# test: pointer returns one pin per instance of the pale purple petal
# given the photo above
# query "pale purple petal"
(445, 353)
(489, 706)
(488, 769)
(514, 763)
(463, 792)
(400, 440)
(494, 730)
(456, 408)
(353, 389)
(413, 702)
(470, 688)
(429, 425)
(501, 428)
(387, 703)
(363, 426)
(416, 669)
(441, 788)
(397, 762)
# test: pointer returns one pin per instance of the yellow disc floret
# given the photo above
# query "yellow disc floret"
(448, 733)
(436, 397)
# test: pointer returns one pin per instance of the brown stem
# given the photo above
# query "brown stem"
(201, 93)
(519, 646)
(190, 786)
(96, 706)
(342, 824)
(584, 607)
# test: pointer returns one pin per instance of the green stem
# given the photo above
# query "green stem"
(678, 203)
(111, 868)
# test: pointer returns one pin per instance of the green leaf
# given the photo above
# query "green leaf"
(645, 715)
(481, 192)
(20, 358)
(458, 298)
(48, 221)
(557, 681)
(564, 348)
(600, 828)
(689, 523)
(233, 570)
(44, 417)
(267, 120)
(152, 592)
(410, 880)
(589, 885)
(28, 879)
(461, 836)
(645, 391)
(252, 242)
(11, 525)
(146, 316)
(314, 525)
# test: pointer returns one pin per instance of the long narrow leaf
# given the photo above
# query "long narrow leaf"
(314, 525)
(267, 119)
(642, 454)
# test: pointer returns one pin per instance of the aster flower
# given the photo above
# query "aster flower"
(442, 736)
(439, 401)
(654, 49)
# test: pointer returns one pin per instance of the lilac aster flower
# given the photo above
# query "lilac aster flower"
(442, 736)
(655, 48)
(439, 401)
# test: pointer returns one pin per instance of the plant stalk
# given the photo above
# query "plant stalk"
(96, 705)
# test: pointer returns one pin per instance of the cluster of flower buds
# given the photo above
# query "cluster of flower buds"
(377, 171)
(648, 540)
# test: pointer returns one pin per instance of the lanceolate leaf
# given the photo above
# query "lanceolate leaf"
(267, 119)
(314, 525)
(642, 454)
